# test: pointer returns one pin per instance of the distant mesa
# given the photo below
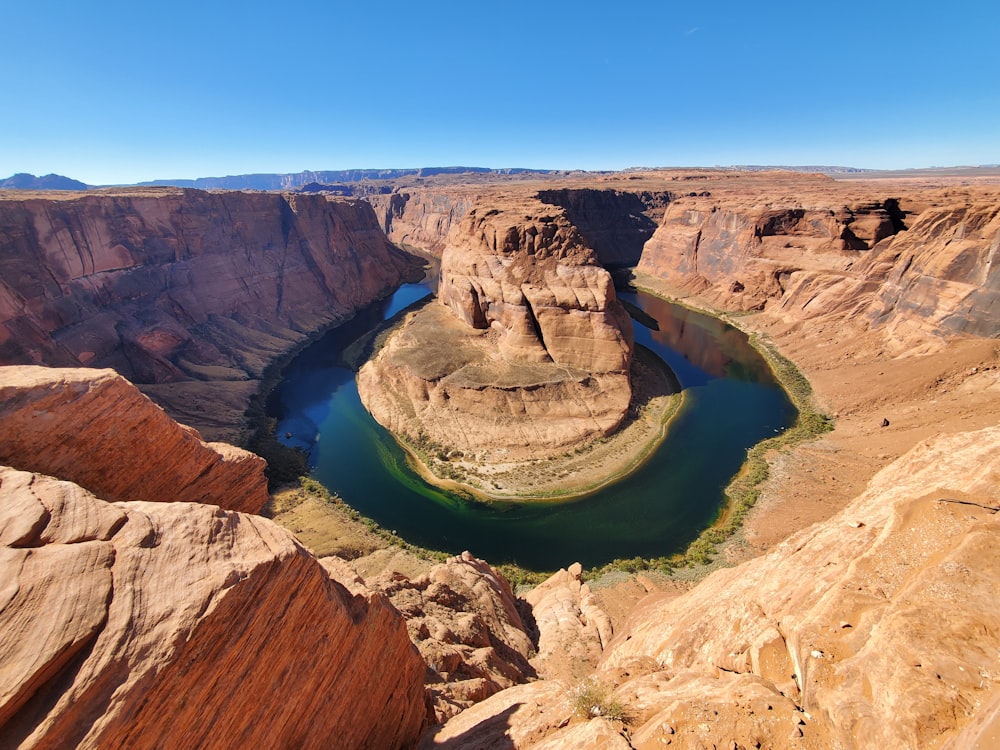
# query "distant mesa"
(25, 181)
(296, 180)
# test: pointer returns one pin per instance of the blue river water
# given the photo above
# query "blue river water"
(731, 402)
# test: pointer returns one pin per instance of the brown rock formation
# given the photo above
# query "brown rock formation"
(745, 253)
(161, 624)
(96, 429)
(534, 358)
(464, 619)
(572, 628)
(191, 293)
(422, 219)
(875, 629)
(935, 279)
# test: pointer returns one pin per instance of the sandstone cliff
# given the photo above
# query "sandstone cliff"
(188, 292)
(166, 624)
(94, 428)
(422, 219)
(745, 254)
(530, 358)
(151, 624)
(938, 278)
(874, 629)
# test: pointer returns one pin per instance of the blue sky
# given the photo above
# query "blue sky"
(116, 92)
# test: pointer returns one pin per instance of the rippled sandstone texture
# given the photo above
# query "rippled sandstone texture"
(525, 354)
(189, 294)
(94, 428)
(148, 624)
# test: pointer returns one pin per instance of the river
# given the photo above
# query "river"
(731, 402)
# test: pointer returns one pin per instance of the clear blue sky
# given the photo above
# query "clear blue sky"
(109, 91)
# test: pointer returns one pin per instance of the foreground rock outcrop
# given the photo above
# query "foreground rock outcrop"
(150, 624)
(466, 623)
(158, 624)
(527, 356)
(94, 428)
(188, 293)
(874, 629)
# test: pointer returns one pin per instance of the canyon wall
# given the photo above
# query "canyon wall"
(938, 278)
(189, 293)
(94, 428)
(743, 253)
(915, 263)
(422, 219)
(148, 624)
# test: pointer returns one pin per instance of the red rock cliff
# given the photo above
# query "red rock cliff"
(96, 429)
(140, 625)
(183, 286)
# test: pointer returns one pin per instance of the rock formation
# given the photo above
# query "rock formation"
(149, 624)
(465, 621)
(94, 428)
(937, 278)
(875, 629)
(143, 624)
(531, 356)
(187, 293)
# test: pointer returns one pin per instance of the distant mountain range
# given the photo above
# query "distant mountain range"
(24, 181)
(299, 179)
(339, 181)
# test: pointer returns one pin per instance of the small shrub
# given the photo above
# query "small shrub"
(591, 699)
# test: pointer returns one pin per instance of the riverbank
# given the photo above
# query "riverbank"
(656, 399)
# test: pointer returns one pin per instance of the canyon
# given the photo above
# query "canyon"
(188, 294)
(855, 608)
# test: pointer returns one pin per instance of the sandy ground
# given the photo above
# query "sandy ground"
(882, 407)
(328, 529)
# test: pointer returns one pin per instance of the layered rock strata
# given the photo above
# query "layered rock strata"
(746, 254)
(527, 352)
(191, 294)
(94, 428)
(938, 278)
(162, 624)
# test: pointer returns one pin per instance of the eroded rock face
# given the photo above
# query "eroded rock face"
(464, 619)
(938, 278)
(534, 357)
(96, 429)
(875, 623)
(572, 627)
(422, 219)
(189, 292)
(873, 629)
(744, 251)
(149, 624)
